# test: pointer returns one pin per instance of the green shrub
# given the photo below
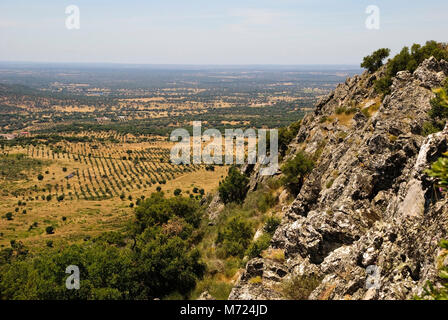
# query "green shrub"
(256, 247)
(300, 287)
(366, 112)
(157, 210)
(295, 170)
(286, 135)
(382, 85)
(156, 264)
(49, 230)
(341, 110)
(439, 105)
(375, 60)
(323, 119)
(439, 170)
(220, 290)
(430, 127)
(236, 236)
(266, 201)
(351, 110)
(234, 187)
(272, 222)
(410, 59)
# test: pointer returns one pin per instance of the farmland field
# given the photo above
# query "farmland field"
(86, 177)
(84, 144)
(84, 188)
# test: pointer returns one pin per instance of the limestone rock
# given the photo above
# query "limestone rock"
(380, 211)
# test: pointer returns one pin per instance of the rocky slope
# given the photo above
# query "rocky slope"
(367, 202)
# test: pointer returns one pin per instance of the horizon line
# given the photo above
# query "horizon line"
(356, 66)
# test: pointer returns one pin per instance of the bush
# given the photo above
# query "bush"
(439, 170)
(266, 201)
(166, 265)
(271, 225)
(8, 216)
(49, 230)
(340, 110)
(40, 177)
(236, 236)
(157, 210)
(155, 264)
(375, 60)
(430, 127)
(258, 246)
(382, 85)
(295, 170)
(439, 105)
(218, 289)
(177, 192)
(234, 187)
(285, 136)
(410, 59)
(300, 287)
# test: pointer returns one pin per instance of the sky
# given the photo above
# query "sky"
(224, 32)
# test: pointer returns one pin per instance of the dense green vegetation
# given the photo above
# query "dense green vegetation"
(375, 60)
(439, 170)
(438, 112)
(286, 135)
(408, 59)
(168, 251)
(295, 171)
(154, 258)
(234, 187)
(229, 242)
(235, 236)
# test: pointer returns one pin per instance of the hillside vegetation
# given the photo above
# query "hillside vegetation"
(372, 194)
(363, 182)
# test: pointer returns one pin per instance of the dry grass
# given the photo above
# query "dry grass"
(274, 254)
(88, 214)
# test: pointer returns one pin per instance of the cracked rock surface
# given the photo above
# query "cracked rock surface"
(380, 208)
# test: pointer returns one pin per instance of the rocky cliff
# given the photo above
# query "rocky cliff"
(367, 206)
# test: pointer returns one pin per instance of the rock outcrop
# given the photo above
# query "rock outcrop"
(367, 221)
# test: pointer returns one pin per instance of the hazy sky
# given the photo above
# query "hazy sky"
(214, 32)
